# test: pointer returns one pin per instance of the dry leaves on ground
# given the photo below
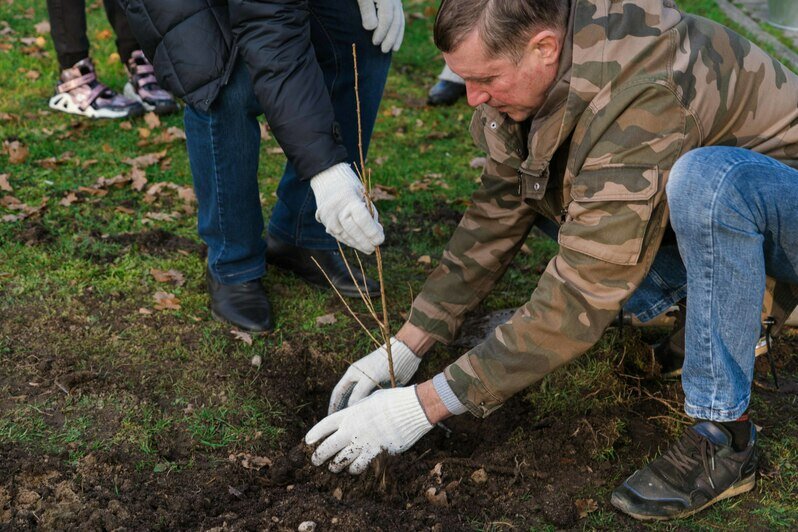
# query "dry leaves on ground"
(152, 120)
(16, 150)
(42, 27)
(4, 184)
(382, 192)
(585, 506)
(143, 161)
(168, 276)
(327, 319)
(165, 301)
(249, 461)
(242, 336)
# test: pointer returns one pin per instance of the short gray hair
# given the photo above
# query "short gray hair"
(505, 26)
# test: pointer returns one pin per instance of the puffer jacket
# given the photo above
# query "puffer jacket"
(194, 45)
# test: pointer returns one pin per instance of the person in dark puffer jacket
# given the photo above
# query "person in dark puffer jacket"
(290, 60)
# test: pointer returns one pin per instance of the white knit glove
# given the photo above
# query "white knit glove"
(388, 19)
(371, 371)
(388, 420)
(341, 208)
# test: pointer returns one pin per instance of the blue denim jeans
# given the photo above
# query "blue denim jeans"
(734, 214)
(223, 147)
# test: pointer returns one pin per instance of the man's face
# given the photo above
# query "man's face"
(516, 89)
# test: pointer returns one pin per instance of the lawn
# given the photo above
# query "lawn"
(124, 405)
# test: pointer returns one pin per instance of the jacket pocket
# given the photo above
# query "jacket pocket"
(498, 136)
(610, 212)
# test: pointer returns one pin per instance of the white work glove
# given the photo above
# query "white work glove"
(371, 371)
(388, 420)
(341, 208)
(387, 20)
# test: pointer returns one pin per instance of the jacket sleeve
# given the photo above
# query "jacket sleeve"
(613, 229)
(274, 40)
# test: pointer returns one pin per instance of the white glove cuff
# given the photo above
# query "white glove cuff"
(408, 416)
(334, 180)
(405, 360)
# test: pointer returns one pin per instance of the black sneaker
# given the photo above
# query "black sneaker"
(699, 470)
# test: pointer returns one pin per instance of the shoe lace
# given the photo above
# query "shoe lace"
(689, 451)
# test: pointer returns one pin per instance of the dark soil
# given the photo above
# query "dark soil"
(515, 467)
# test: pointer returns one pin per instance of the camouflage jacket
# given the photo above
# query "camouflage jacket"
(639, 84)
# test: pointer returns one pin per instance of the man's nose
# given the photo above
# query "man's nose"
(475, 95)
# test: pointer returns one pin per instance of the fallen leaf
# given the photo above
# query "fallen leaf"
(381, 192)
(415, 186)
(152, 120)
(138, 178)
(424, 259)
(113, 58)
(186, 194)
(16, 150)
(124, 210)
(68, 200)
(40, 41)
(4, 184)
(585, 506)
(327, 319)
(168, 276)
(264, 131)
(42, 27)
(480, 476)
(107, 148)
(103, 35)
(144, 132)
(436, 499)
(243, 336)
(143, 161)
(277, 150)
(163, 216)
(145, 311)
(33, 75)
(93, 191)
(125, 125)
(165, 301)
(250, 461)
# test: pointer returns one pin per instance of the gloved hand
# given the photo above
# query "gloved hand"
(387, 18)
(341, 208)
(371, 371)
(388, 420)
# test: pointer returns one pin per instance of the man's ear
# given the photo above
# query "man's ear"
(547, 45)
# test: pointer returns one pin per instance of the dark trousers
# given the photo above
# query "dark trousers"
(68, 29)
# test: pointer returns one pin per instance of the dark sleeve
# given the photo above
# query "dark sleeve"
(274, 40)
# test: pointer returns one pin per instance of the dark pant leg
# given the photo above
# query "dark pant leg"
(68, 30)
(126, 43)
(334, 25)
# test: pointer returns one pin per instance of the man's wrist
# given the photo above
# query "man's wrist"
(418, 340)
(431, 402)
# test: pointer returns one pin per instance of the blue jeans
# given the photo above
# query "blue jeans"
(223, 147)
(734, 214)
(665, 284)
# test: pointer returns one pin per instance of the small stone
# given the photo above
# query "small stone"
(257, 360)
(307, 526)
(275, 519)
(480, 476)
(338, 493)
(334, 520)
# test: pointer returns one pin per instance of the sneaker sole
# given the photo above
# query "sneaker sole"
(165, 109)
(63, 103)
(743, 486)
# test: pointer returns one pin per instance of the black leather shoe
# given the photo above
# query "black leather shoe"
(300, 262)
(445, 93)
(244, 305)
